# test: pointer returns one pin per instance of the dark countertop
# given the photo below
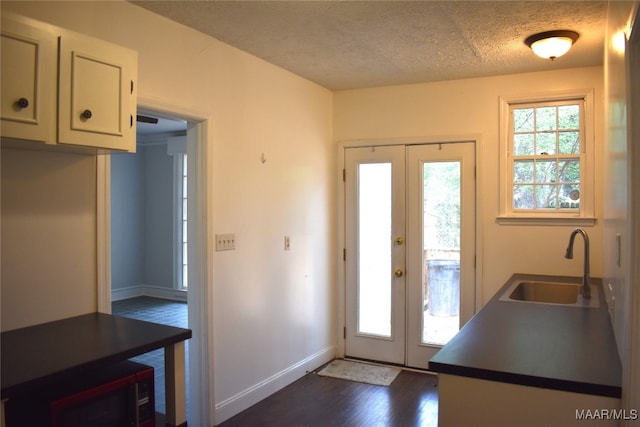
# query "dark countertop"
(540, 345)
(37, 355)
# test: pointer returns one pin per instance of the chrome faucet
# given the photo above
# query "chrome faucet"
(586, 291)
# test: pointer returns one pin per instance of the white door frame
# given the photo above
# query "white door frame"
(200, 158)
(341, 205)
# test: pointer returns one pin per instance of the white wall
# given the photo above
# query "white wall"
(616, 196)
(271, 309)
(619, 156)
(158, 216)
(127, 216)
(471, 108)
(142, 220)
(48, 236)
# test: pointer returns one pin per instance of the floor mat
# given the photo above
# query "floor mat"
(360, 372)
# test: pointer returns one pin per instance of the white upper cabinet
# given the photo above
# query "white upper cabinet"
(65, 88)
(97, 93)
(28, 93)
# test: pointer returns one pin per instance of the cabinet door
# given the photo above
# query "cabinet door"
(97, 93)
(29, 69)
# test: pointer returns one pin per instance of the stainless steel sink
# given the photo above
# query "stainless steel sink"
(555, 293)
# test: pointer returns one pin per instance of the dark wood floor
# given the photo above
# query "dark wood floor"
(411, 400)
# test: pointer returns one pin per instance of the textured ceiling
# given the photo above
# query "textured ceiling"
(356, 44)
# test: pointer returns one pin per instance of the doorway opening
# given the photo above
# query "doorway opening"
(182, 258)
(149, 212)
(149, 279)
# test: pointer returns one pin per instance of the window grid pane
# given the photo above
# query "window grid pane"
(547, 157)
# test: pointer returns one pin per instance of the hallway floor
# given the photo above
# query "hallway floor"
(316, 401)
(166, 312)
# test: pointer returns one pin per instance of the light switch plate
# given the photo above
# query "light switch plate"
(225, 242)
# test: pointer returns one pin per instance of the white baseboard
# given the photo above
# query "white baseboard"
(249, 397)
(148, 291)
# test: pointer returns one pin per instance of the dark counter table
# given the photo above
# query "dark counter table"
(38, 355)
(540, 345)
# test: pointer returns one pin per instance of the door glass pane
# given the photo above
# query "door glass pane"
(441, 248)
(374, 249)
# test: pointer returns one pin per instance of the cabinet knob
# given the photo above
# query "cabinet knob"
(22, 103)
(86, 114)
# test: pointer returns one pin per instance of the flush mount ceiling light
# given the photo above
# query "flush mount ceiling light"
(551, 44)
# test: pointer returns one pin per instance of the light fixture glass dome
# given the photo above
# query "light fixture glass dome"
(551, 44)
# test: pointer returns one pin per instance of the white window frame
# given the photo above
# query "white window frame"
(585, 216)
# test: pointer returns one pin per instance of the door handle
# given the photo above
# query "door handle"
(399, 240)
(398, 272)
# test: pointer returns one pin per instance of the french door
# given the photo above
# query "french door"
(410, 249)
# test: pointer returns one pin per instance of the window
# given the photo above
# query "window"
(547, 159)
(182, 226)
(177, 147)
